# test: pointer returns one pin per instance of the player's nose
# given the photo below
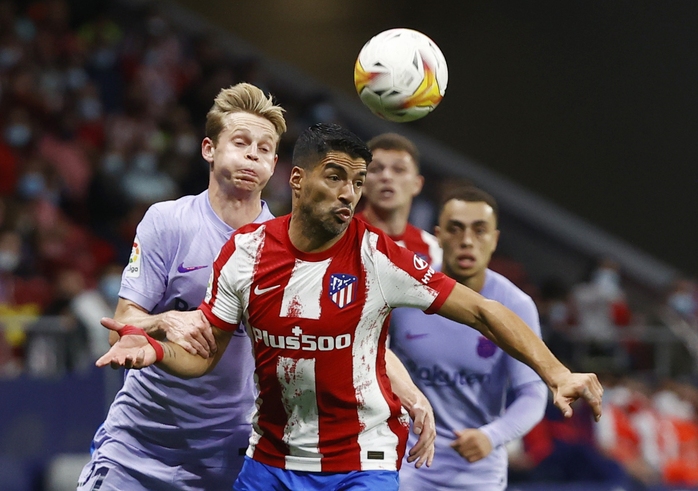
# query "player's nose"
(347, 193)
(251, 152)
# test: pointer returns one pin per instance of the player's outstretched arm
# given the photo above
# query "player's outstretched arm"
(510, 333)
(418, 407)
(191, 330)
(136, 349)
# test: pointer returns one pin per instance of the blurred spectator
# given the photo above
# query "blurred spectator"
(627, 431)
(675, 404)
(683, 299)
(554, 306)
(563, 450)
(58, 342)
(600, 306)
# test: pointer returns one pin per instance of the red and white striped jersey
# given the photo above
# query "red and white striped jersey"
(317, 326)
(422, 243)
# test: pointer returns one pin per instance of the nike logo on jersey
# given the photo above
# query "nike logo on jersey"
(262, 291)
(188, 269)
(415, 336)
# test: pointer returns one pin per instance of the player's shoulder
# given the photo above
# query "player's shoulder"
(427, 237)
(502, 287)
(252, 235)
(177, 211)
(360, 227)
(274, 225)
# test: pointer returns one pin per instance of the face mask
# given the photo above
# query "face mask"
(110, 286)
(104, 58)
(31, 185)
(113, 163)
(8, 261)
(606, 279)
(683, 303)
(9, 57)
(18, 135)
(76, 78)
(145, 162)
(90, 109)
(558, 313)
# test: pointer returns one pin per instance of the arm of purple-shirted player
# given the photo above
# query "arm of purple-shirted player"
(136, 349)
(417, 406)
(525, 411)
(510, 333)
(191, 330)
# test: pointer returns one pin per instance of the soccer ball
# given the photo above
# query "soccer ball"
(401, 75)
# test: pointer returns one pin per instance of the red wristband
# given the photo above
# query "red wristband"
(137, 331)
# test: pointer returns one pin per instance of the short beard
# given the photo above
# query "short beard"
(321, 229)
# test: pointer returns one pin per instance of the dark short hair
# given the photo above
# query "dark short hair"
(393, 141)
(317, 141)
(470, 194)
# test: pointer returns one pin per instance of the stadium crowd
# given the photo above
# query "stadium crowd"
(100, 116)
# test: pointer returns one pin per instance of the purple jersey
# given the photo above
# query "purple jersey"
(465, 376)
(180, 420)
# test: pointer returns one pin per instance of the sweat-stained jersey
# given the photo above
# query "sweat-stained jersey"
(317, 324)
(420, 242)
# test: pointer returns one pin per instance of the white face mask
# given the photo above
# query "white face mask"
(683, 303)
(8, 261)
(109, 286)
(607, 280)
(18, 135)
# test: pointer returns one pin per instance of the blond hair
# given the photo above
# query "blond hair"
(243, 97)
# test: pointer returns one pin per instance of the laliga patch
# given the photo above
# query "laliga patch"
(209, 288)
(133, 269)
(342, 289)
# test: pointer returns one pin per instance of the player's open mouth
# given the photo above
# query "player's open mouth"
(344, 214)
(465, 260)
(387, 192)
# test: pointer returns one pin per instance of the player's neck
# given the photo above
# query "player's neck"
(475, 283)
(308, 237)
(236, 211)
(392, 222)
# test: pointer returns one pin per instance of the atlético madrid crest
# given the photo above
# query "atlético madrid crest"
(342, 289)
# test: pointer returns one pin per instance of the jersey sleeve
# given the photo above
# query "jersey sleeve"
(520, 373)
(407, 280)
(222, 305)
(144, 279)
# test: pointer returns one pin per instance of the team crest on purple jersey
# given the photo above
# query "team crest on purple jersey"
(485, 347)
(342, 289)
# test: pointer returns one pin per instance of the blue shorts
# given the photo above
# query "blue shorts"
(256, 476)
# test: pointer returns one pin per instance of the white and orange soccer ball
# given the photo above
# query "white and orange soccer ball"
(401, 75)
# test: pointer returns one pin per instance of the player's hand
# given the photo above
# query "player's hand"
(573, 386)
(423, 425)
(191, 330)
(130, 351)
(472, 444)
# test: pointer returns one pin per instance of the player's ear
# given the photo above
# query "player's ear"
(296, 179)
(207, 149)
(418, 185)
(495, 234)
(437, 234)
